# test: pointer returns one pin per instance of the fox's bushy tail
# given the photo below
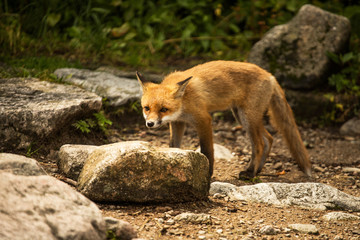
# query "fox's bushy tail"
(282, 118)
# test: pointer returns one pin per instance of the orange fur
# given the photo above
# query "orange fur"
(248, 90)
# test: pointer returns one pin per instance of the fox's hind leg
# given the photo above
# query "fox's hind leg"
(261, 140)
(268, 140)
(177, 130)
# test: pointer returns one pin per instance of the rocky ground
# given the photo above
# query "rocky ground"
(331, 154)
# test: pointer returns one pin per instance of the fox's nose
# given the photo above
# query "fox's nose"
(150, 124)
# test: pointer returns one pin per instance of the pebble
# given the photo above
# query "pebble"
(351, 170)
(219, 231)
(268, 230)
(278, 165)
(170, 222)
(336, 216)
(195, 218)
(219, 195)
(160, 220)
(304, 228)
(318, 168)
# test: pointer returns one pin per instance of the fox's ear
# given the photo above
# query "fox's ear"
(141, 80)
(182, 86)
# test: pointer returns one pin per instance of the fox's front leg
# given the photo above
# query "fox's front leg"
(204, 130)
(177, 130)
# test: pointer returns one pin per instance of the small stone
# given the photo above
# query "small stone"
(170, 222)
(304, 228)
(195, 218)
(348, 138)
(336, 216)
(120, 228)
(202, 232)
(268, 230)
(202, 237)
(219, 231)
(318, 168)
(219, 195)
(278, 165)
(160, 220)
(351, 170)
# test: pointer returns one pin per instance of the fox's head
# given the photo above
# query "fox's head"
(161, 103)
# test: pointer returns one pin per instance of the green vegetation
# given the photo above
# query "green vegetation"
(98, 121)
(31, 151)
(143, 32)
(347, 80)
(36, 37)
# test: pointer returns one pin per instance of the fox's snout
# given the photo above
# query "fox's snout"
(153, 124)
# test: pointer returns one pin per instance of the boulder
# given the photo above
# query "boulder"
(31, 110)
(296, 52)
(42, 207)
(117, 90)
(351, 128)
(157, 78)
(309, 195)
(72, 159)
(137, 172)
(20, 165)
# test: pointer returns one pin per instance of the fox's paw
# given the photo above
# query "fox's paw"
(246, 175)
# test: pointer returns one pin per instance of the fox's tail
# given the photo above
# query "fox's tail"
(282, 118)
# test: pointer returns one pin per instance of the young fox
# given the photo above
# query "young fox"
(249, 91)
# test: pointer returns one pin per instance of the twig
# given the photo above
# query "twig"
(143, 225)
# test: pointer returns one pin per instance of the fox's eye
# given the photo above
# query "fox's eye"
(146, 108)
(163, 110)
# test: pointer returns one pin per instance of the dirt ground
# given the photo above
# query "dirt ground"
(243, 220)
(237, 220)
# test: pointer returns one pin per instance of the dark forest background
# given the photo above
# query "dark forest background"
(38, 36)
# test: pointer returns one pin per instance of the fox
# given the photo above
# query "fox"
(250, 92)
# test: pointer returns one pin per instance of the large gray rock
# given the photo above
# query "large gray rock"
(72, 159)
(20, 165)
(31, 110)
(118, 90)
(296, 52)
(351, 128)
(131, 75)
(137, 172)
(310, 195)
(41, 207)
